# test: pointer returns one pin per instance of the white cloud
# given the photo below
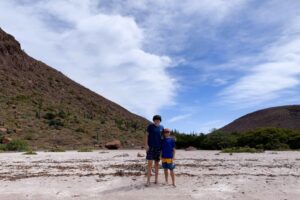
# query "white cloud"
(276, 75)
(172, 23)
(104, 52)
(178, 118)
(209, 126)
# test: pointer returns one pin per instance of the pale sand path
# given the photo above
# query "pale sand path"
(119, 175)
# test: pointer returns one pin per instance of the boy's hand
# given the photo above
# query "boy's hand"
(146, 148)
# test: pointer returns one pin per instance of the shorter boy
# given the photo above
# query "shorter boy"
(168, 155)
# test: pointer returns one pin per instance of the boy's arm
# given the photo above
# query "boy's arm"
(146, 141)
(174, 151)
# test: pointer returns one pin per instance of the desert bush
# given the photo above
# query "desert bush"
(56, 123)
(241, 150)
(30, 152)
(3, 147)
(17, 145)
(49, 115)
(62, 114)
(85, 149)
(294, 142)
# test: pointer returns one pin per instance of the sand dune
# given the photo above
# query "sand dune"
(120, 175)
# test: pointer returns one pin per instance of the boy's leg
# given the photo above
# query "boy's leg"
(173, 177)
(149, 167)
(166, 175)
(156, 170)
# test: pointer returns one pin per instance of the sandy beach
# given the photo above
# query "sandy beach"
(120, 174)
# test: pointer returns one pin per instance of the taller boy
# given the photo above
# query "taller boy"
(153, 146)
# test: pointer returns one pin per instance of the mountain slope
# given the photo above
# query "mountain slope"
(43, 106)
(287, 117)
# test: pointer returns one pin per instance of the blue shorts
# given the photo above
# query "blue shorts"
(153, 154)
(169, 166)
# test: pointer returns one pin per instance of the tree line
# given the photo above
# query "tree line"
(264, 138)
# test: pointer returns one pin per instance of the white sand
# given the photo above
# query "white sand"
(113, 175)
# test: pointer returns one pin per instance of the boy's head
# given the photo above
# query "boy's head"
(157, 120)
(167, 132)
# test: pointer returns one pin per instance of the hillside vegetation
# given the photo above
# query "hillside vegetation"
(48, 110)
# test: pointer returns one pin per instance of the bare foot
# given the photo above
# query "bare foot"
(174, 185)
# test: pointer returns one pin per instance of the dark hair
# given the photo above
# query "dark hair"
(157, 117)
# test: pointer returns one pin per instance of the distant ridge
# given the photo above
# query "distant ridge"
(43, 106)
(287, 117)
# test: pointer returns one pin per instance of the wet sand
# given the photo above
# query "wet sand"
(120, 174)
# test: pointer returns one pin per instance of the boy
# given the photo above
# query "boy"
(153, 146)
(168, 155)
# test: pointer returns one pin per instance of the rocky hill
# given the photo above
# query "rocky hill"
(41, 105)
(287, 117)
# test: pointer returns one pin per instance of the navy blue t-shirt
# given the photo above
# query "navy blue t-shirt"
(168, 144)
(154, 135)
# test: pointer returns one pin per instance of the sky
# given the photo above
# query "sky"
(200, 64)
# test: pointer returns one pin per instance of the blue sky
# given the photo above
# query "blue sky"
(200, 64)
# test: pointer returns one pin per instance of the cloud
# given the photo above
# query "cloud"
(276, 75)
(103, 52)
(172, 24)
(209, 126)
(178, 118)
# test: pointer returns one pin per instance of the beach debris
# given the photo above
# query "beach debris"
(140, 154)
(191, 148)
(122, 155)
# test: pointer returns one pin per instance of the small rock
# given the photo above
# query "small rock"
(3, 130)
(115, 144)
(140, 154)
(191, 148)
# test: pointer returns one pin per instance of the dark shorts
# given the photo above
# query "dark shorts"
(153, 154)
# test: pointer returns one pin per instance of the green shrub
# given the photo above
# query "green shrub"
(49, 115)
(30, 152)
(17, 145)
(294, 141)
(57, 123)
(85, 149)
(3, 147)
(62, 114)
(241, 150)
(264, 138)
